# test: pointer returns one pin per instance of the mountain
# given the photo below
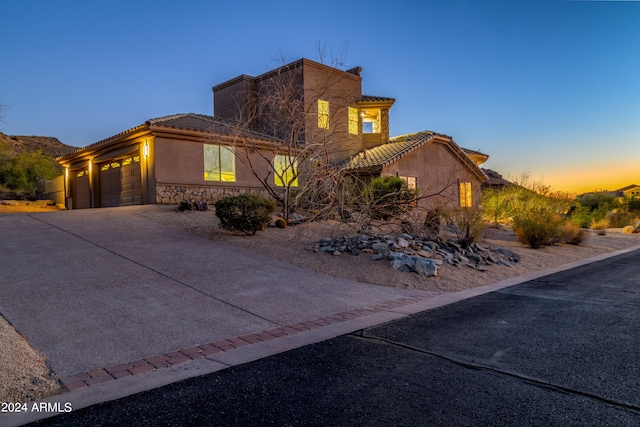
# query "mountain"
(12, 145)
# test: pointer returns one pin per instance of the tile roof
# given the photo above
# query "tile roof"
(188, 121)
(369, 98)
(384, 154)
(399, 146)
(203, 123)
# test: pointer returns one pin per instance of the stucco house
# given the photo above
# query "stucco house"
(630, 191)
(257, 123)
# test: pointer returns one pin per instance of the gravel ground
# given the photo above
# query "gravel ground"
(25, 376)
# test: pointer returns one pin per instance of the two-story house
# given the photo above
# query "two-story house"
(301, 110)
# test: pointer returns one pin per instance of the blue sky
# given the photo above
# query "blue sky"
(546, 87)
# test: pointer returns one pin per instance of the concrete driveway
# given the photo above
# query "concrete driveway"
(98, 288)
(560, 350)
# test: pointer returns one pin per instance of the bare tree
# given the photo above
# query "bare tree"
(301, 162)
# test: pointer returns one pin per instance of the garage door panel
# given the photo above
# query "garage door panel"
(120, 183)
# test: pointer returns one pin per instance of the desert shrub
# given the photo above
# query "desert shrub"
(600, 225)
(538, 229)
(247, 213)
(572, 234)
(465, 223)
(581, 215)
(281, 223)
(390, 196)
(617, 219)
(599, 200)
(21, 171)
(502, 205)
(631, 204)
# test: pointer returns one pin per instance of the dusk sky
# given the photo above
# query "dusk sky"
(548, 87)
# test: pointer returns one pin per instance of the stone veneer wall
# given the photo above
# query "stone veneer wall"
(174, 194)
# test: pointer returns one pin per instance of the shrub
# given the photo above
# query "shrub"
(281, 223)
(21, 171)
(618, 219)
(247, 213)
(538, 229)
(466, 223)
(581, 215)
(390, 196)
(600, 226)
(572, 234)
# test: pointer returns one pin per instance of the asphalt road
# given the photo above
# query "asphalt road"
(560, 350)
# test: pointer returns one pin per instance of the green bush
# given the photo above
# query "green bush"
(20, 172)
(618, 219)
(538, 229)
(581, 215)
(390, 196)
(631, 204)
(248, 213)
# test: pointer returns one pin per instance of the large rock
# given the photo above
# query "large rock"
(629, 229)
(407, 263)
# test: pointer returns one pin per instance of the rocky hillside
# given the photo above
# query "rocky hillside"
(12, 145)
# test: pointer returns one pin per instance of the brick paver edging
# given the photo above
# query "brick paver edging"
(97, 376)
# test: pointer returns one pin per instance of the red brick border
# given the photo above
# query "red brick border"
(97, 376)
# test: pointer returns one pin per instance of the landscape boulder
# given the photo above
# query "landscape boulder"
(403, 262)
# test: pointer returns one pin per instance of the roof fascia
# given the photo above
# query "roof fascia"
(203, 136)
(304, 62)
(242, 77)
(375, 104)
(461, 156)
(117, 141)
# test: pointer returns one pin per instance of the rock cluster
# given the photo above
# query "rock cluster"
(193, 205)
(411, 253)
(631, 229)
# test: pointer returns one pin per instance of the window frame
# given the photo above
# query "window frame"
(354, 120)
(281, 176)
(222, 154)
(323, 114)
(465, 190)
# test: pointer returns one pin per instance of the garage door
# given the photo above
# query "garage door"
(82, 193)
(120, 182)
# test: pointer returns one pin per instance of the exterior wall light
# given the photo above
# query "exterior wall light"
(145, 149)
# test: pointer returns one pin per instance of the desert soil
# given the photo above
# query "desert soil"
(26, 377)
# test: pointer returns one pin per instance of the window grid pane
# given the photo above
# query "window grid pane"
(323, 114)
(353, 121)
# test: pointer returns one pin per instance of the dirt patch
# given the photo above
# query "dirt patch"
(18, 206)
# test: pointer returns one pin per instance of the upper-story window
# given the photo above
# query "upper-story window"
(371, 120)
(353, 121)
(323, 114)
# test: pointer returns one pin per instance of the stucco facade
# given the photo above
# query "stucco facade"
(302, 107)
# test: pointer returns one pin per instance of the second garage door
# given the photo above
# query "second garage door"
(120, 182)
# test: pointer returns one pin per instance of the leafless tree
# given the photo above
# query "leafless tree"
(301, 162)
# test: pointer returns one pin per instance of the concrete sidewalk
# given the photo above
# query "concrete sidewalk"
(104, 287)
